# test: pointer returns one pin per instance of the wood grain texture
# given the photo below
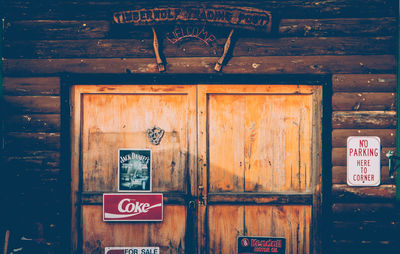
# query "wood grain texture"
(364, 83)
(363, 101)
(363, 119)
(250, 65)
(18, 141)
(387, 136)
(222, 234)
(114, 117)
(365, 211)
(290, 222)
(56, 29)
(48, 156)
(33, 123)
(32, 104)
(101, 29)
(363, 246)
(339, 156)
(366, 230)
(169, 234)
(259, 198)
(337, 27)
(344, 193)
(250, 165)
(96, 198)
(68, 10)
(41, 86)
(140, 48)
(106, 128)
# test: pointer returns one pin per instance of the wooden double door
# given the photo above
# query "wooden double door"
(234, 160)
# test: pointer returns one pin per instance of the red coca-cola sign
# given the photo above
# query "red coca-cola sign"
(132, 207)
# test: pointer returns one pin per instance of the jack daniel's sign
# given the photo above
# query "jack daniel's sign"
(235, 17)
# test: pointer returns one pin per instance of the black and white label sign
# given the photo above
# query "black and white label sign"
(363, 161)
(132, 250)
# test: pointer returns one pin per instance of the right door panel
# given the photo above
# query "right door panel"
(261, 148)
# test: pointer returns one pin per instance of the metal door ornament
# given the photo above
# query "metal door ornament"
(155, 135)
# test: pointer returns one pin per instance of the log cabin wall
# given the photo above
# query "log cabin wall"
(352, 41)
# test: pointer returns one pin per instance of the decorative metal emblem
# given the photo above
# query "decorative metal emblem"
(155, 135)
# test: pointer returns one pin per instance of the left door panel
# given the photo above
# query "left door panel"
(108, 118)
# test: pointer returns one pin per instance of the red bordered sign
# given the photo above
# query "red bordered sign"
(132, 207)
(132, 250)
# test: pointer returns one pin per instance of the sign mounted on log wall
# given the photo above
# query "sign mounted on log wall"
(132, 207)
(235, 17)
(132, 250)
(255, 244)
(363, 161)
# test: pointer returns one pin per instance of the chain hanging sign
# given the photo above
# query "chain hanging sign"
(236, 17)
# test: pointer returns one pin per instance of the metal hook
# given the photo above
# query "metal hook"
(392, 164)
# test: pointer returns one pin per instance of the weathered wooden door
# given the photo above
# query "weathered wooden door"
(106, 118)
(248, 155)
(259, 164)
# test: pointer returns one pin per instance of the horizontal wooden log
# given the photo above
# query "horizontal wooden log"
(34, 160)
(365, 211)
(363, 101)
(38, 176)
(387, 136)
(33, 123)
(339, 175)
(101, 29)
(364, 83)
(15, 141)
(114, 48)
(366, 230)
(250, 65)
(40, 167)
(337, 27)
(48, 155)
(44, 86)
(85, 9)
(363, 119)
(345, 193)
(339, 156)
(363, 246)
(32, 104)
(56, 29)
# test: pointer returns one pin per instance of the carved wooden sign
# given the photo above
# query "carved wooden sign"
(235, 17)
(181, 33)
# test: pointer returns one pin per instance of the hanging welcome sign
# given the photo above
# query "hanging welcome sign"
(247, 18)
(235, 17)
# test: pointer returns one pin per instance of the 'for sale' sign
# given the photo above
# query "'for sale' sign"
(363, 161)
(132, 250)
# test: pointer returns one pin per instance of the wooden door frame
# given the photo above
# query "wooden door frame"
(321, 202)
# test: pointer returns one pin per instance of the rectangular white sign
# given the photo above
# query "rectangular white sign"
(132, 250)
(363, 161)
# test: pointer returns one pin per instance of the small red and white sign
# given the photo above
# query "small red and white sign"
(132, 207)
(132, 250)
(363, 161)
